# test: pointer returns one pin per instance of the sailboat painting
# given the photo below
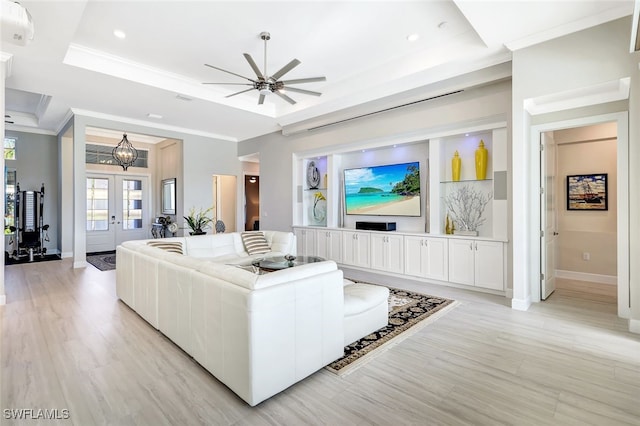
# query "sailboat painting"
(587, 192)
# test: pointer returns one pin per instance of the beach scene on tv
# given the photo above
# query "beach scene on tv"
(390, 190)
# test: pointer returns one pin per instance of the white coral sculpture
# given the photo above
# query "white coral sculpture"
(466, 206)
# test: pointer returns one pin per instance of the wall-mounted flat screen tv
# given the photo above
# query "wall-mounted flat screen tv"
(387, 190)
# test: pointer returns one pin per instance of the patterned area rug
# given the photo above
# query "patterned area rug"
(409, 312)
(104, 261)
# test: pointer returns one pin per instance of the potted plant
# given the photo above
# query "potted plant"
(198, 220)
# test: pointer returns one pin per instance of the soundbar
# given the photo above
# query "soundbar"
(376, 226)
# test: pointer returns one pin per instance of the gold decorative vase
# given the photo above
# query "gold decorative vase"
(481, 161)
(447, 226)
(456, 163)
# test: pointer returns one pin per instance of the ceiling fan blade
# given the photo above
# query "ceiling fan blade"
(305, 80)
(232, 84)
(229, 72)
(261, 100)
(291, 65)
(237, 93)
(306, 92)
(285, 97)
(253, 66)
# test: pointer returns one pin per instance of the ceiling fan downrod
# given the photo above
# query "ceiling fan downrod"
(266, 37)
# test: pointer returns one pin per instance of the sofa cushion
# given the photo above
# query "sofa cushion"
(255, 243)
(170, 246)
(211, 246)
(359, 297)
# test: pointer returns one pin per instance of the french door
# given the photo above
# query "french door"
(117, 210)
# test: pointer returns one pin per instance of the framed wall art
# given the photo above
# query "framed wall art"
(587, 192)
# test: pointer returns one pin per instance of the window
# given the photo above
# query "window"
(97, 204)
(9, 148)
(101, 154)
(10, 200)
(131, 204)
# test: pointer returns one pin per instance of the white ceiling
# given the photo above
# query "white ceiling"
(360, 47)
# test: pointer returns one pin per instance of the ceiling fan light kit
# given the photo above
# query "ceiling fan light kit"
(266, 84)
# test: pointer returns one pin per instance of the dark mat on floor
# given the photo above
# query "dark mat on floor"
(105, 261)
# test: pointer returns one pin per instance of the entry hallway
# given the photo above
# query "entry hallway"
(68, 343)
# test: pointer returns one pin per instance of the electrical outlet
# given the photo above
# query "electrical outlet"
(586, 256)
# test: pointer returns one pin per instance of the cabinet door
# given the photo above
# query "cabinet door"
(334, 245)
(461, 259)
(489, 266)
(414, 256)
(378, 253)
(395, 253)
(349, 248)
(436, 258)
(329, 245)
(306, 242)
(355, 249)
(361, 253)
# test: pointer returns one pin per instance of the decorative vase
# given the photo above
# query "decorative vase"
(197, 232)
(447, 225)
(456, 164)
(481, 161)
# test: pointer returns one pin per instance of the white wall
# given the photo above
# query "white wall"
(587, 150)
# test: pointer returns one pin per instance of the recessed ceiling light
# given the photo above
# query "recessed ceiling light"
(119, 34)
(413, 37)
(152, 115)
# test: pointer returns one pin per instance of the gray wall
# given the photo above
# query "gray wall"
(37, 163)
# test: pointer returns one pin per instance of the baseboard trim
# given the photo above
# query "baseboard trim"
(583, 276)
(80, 264)
(634, 326)
(508, 293)
(66, 254)
(3, 299)
(521, 304)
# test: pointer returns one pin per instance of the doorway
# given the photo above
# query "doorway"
(252, 203)
(225, 188)
(589, 246)
(117, 209)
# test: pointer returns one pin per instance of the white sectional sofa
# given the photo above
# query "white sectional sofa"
(257, 333)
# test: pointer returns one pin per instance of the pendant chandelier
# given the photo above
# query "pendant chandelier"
(125, 154)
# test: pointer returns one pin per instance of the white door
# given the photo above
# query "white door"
(436, 258)
(489, 265)
(414, 258)
(117, 210)
(548, 224)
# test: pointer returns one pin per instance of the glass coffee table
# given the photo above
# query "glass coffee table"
(276, 263)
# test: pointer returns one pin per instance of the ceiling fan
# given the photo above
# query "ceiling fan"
(266, 84)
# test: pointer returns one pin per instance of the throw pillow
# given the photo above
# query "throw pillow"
(255, 243)
(173, 247)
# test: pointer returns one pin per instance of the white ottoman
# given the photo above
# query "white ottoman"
(366, 309)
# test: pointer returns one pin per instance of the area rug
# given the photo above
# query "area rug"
(105, 261)
(409, 312)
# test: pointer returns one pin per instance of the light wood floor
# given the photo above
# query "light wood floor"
(68, 343)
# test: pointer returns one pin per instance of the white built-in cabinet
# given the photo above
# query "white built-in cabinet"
(356, 248)
(387, 252)
(472, 262)
(476, 263)
(329, 244)
(426, 257)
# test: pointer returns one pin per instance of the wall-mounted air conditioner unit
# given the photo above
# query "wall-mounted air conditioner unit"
(16, 23)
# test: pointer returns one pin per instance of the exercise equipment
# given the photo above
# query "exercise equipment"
(29, 229)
